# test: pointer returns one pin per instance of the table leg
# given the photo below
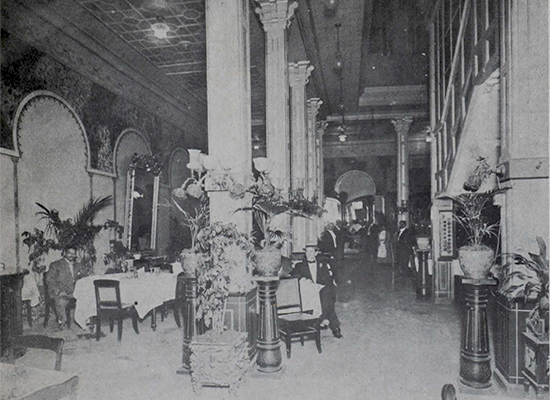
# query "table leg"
(154, 320)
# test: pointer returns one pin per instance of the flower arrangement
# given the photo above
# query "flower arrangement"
(267, 203)
(147, 163)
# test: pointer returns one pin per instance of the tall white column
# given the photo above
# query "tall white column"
(312, 183)
(298, 77)
(321, 129)
(229, 115)
(402, 129)
(275, 16)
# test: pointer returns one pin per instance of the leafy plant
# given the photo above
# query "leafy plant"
(79, 231)
(230, 253)
(526, 276)
(196, 220)
(469, 215)
(38, 246)
(267, 203)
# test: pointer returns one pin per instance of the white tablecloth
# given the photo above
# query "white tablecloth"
(146, 292)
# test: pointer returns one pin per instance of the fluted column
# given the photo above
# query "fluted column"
(229, 114)
(312, 190)
(402, 129)
(275, 16)
(298, 77)
(321, 129)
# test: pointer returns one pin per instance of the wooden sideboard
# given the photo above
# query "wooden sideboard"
(11, 319)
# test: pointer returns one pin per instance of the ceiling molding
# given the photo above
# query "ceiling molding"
(393, 95)
(58, 37)
(379, 115)
(374, 148)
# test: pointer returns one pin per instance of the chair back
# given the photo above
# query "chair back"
(41, 342)
(180, 287)
(289, 299)
(107, 294)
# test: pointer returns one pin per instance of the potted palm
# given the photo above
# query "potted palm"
(476, 258)
(79, 231)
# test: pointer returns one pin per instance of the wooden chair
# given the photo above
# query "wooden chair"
(49, 305)
(293, 320)
(39, 342)
(108, 305)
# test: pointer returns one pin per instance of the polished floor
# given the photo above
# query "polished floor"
(394, 347)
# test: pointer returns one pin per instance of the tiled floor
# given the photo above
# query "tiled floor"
(393, 348)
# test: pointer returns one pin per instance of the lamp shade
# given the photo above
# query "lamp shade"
(261, 163)
(195, 163)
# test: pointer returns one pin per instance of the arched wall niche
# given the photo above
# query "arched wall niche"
(54, 163)
(356, 184)
(177, 169)
(129, 142)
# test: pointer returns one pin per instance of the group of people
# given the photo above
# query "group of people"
(321, 265)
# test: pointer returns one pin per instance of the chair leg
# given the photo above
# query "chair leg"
(29, 313)
(111, 324)
(68, 315)
(46, 313)
(97, 327)
(302, 339)
(318, 340)
(135, 321)
(288, 340)
(120, 328)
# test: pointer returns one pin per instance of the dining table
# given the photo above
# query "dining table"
(144, 290)
(21, 382)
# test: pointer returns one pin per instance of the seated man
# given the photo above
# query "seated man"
(60, 280)
(318, 270)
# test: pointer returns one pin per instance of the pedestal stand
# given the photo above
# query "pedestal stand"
(189, 324)
(423, 286)
(269, 347)
(475, 357)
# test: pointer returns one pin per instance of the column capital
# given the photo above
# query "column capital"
(299, 73)
(313, 106)
(321, 127)
(402, 125)
(275, 14)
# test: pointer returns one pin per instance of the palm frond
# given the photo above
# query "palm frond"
(89, 211)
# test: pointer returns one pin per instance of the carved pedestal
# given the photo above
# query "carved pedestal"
(189, 323)
(475, 357)
(268, 345)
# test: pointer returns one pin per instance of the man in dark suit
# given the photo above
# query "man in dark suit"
(317, 269)
(405, 246)
(331, 245)
(60, 280)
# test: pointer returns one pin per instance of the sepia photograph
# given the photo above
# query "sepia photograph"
(274, 199)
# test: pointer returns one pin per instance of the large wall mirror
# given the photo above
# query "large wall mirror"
(142, 188)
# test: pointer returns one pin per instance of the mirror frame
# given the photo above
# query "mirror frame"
(151, 165)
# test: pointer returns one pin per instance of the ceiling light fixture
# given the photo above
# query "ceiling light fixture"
(160, 29)
(338, 68)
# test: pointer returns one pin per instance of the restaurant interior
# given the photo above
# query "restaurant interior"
(166, 164)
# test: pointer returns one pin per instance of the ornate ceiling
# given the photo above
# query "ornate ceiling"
(383, 45)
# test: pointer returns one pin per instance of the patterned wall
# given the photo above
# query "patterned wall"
(104, 114)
